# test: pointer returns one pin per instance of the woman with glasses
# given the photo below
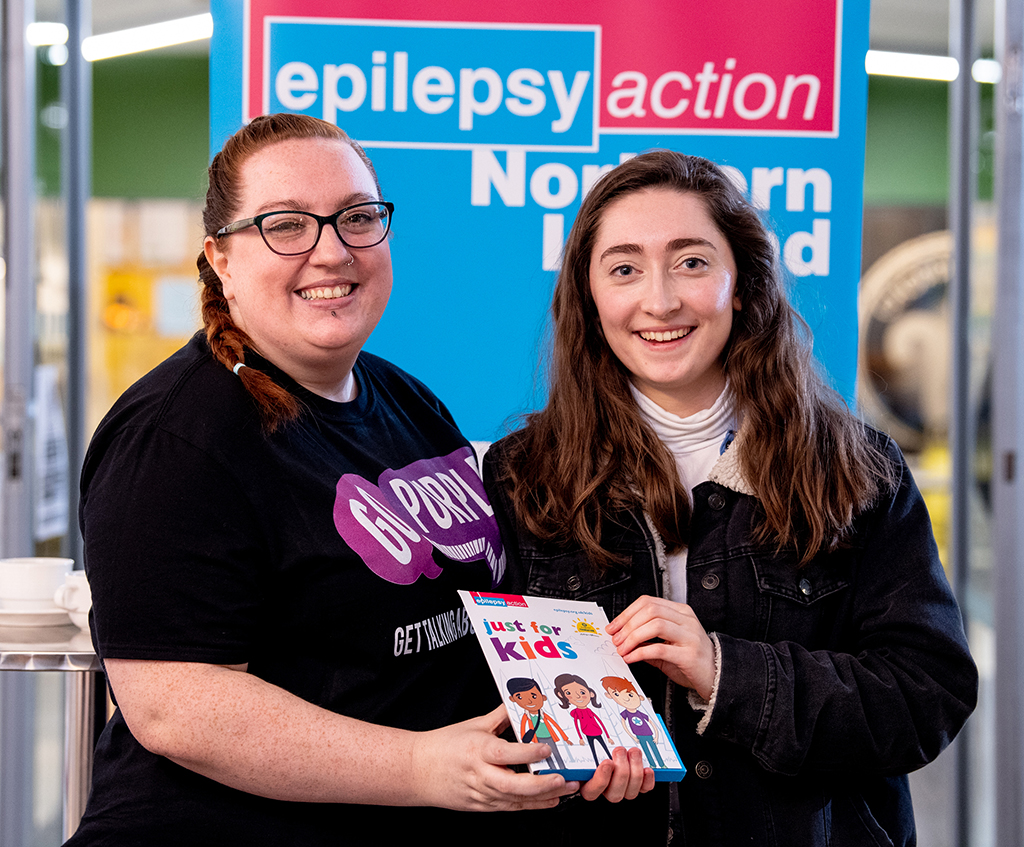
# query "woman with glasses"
(766, 558)
(276, 523)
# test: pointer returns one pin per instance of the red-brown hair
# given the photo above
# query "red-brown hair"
(228, 342)
(617, 683)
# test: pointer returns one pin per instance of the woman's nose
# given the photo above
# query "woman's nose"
(661, 297)
(330, 249)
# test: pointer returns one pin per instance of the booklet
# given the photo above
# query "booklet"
(564, 684)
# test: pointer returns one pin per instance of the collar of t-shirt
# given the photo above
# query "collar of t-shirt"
(695, 442)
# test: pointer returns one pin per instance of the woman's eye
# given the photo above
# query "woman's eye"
(281, 225)
(623, 270)
(693, 263)
(358, 219)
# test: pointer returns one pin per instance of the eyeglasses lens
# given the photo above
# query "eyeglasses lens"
(291, 233)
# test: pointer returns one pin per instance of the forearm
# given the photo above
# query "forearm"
(246, 733)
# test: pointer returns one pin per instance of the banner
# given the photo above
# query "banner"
(488, 123)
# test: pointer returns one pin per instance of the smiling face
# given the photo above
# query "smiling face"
(530, 700)
(309, 314)
(629, 700)
(578, 695)
(663, 279)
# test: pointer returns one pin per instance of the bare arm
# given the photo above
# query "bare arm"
(241, 731)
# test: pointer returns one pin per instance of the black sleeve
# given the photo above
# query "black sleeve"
(174, 551)
(890, 701)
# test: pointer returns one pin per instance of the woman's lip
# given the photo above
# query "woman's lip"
(314, 293)
(663, 335)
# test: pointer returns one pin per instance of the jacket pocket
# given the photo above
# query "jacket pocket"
(802, 604)
(570, 576)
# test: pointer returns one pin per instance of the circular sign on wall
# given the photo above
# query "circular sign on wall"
(904, 352)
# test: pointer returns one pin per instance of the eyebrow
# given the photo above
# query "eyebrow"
(674, 244)
(291, 204)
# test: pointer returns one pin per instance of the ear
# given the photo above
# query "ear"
(218, 259)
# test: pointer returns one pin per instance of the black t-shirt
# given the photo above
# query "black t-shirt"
(326, 556)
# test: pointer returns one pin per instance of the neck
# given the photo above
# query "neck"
(332, 379)
(343, 390)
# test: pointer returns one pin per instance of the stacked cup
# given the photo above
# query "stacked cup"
(75, 597)
(27, 587)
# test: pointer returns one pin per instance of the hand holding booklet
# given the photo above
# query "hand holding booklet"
(565, 685)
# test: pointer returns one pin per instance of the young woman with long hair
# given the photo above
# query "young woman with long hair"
(766, 557)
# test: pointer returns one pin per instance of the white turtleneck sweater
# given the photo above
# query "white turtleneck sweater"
(695, 442)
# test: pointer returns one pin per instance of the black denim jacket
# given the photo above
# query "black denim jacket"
(836, 678)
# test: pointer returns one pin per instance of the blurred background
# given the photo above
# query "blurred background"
(149, 152)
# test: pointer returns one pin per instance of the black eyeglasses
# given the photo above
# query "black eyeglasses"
(295, 233)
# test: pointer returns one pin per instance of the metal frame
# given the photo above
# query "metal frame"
(77, 167)
(17, 693)
(963, 155)
(1008, 431)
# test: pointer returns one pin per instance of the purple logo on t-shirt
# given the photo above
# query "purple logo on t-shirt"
(395, 525)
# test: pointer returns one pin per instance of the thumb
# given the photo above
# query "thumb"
(496, 721)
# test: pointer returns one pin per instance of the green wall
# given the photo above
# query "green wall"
(907, 156)
(150, 127)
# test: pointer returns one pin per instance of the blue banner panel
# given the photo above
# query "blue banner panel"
(396, 86)
(488, 123)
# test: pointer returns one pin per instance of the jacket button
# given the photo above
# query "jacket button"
(710, 581)
(805, 587)
(703, 770)
(716, 501)
(574, 582)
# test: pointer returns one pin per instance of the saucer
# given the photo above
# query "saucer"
(34, 617)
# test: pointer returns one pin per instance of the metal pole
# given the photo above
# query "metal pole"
(79, 739)
(1008, 433)
(16, 513)
(962, 157)
(17, 694)
(78, 159)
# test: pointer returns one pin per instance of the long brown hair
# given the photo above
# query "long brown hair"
(228, 342)
(589, 453)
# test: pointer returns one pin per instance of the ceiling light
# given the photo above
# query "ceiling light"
(151, 37)
(44, 33)
(987, 70)
(912, 65)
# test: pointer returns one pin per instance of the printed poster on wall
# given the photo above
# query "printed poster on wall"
(488, 123)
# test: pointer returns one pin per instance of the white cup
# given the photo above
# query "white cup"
(75, 597)
(29, 583)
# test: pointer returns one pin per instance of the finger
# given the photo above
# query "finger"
(637, 775)
(620, 620)
(659, 654)
(619, 782)
(524, 790)
(649, 616)
(656, 631)
(598, 783)
(648, 781)
(496, 721)
(505, 753)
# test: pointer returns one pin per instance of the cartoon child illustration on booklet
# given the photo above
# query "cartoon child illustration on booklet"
(536, 725)
(637, 723)
(573, 690)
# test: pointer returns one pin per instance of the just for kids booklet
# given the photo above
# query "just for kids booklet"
(564, 684)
